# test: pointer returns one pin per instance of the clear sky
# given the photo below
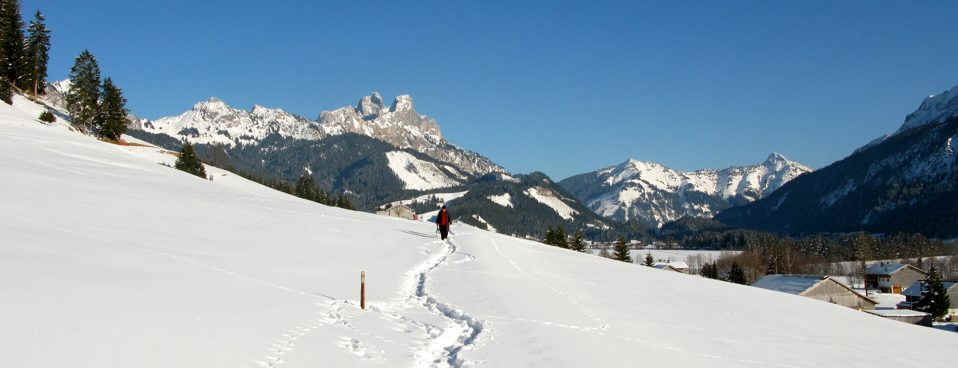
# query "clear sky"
(560, 87)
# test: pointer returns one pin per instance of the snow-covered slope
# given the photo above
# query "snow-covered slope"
(934, 108)
(656, 194)
(110, 259)
(418, 174)
(553, 200)
(214, 122)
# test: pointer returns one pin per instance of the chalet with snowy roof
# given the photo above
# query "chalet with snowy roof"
(672, 266)
(817, 287)
(892, 277)
(904, 315)
(913, 294)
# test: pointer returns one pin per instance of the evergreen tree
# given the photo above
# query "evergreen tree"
(578, 243)
(622, 250)
(112, 120)
(305, 188)
(189, 162)
(84, 94)
(37, 54)
(550, 238)
(12, 61)
(343, 202)
(934, 298)
(737, 274)
(562, 239)
(710, 270)
(649, 261)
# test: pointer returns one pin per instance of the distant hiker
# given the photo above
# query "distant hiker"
(442, 219)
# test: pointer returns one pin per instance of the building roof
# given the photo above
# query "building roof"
(668, 267)
(896, 313)
(798, 284)
(915, 288)
(792, 284)
(676, 264)
(889, 268)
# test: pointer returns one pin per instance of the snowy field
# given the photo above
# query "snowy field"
(680, 255)
(111, 259)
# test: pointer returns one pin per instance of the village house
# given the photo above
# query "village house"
(913, 294)
(672, 266)
(904, 315)
(817, 287)
(892, 277)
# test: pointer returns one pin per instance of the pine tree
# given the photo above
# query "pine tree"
(578, 243)
(649, 261)
(37, 54)
(343, 202)
(550, 238)
(562, 239)
(12, 61)
(84, 94)
(112, 120)
(934, 298)
(306, 188)
(622, 250)
(189, 162)
(736, 274)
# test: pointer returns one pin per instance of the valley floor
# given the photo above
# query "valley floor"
(110, 258)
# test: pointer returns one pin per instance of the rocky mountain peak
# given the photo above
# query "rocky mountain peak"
(654, 193)
(370, 106)
(211, 104)
(402, 103)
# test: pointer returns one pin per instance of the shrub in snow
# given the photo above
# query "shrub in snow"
(47, 117)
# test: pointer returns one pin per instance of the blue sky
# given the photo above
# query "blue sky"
(560, 87)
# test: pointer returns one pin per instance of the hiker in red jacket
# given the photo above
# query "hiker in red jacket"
(442, 219)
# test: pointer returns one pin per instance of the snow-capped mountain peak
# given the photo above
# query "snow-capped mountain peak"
(371, 106)
(934, 108)
(213, 121)
(656, 194)
(402, 103)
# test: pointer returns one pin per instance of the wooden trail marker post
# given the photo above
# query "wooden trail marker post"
(362, 290)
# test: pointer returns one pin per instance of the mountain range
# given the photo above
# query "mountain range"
(383, 155)
(652, 193)
(903, 182)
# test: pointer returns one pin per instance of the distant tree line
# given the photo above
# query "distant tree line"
(557, 236)
(765, 253)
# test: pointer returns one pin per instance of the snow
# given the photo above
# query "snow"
(839, 193)
(442, 197)
(504, 199)
(643, 189)
(676, 264)
(484, 222)
(792, 284)
(886, 300)
(934, 108)
(884, 268)
(110, 259)
(897, 313)
(507, 177)
(547, 198)
(418, 174)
